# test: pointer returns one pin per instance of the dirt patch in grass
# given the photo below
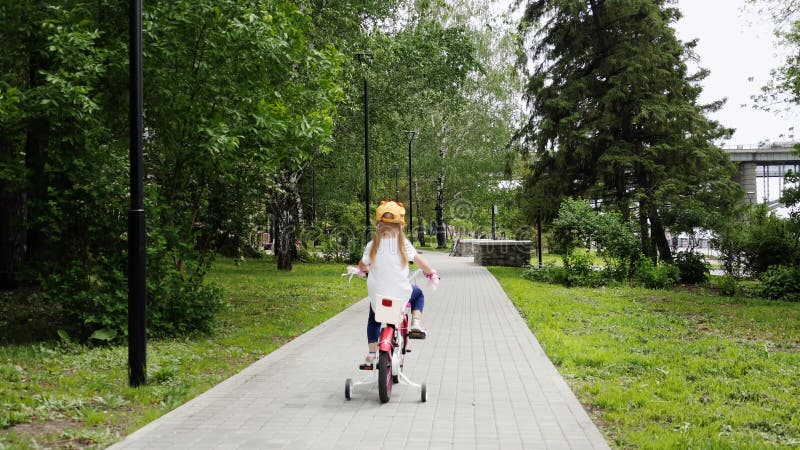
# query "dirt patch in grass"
(51, 433)
(783, 347)
(694, 289)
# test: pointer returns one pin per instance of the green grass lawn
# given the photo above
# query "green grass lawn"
(664, 369)
(69, 396)
(556, 259)
(547, 258)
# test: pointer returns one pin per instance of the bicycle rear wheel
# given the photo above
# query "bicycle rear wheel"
(385, 376)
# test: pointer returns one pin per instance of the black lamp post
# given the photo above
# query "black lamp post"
(137, 357)
(539, 239)
(396, 183)
(314, 194)
(412, 133)
(361, 58)
(494, 213)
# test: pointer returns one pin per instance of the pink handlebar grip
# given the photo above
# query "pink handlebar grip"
(433, 279)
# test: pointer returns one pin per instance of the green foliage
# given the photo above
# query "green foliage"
(758, 241)
(578, 224)
(790, 196)
(339, 233)
(447, 74)
(216, 135)
(729, 240)
(547, 273)
(579, 269)
(770, 241)
(781, 283)
(656, 276)
(693, 267)
(729, 286)
(784, 85)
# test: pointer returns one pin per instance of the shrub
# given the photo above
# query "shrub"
(615, 239)
(729, 286)
(306, 256)
(178, 302)
(652, 276)
(579, 269)
(761, 241)
(544, 274)
(781, 283)
(692, 267)
(770, 243)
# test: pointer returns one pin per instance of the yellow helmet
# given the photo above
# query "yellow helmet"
(396, 209)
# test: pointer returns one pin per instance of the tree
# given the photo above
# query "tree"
(219, 137)
(260, 121)
(49, 73)
(614, 117)
(447, 72)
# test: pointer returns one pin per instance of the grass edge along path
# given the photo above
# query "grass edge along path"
(665, 369)
(57, 395)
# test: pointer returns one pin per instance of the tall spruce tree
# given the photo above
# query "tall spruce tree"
(614, 116)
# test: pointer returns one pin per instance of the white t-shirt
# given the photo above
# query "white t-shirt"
(386, 276)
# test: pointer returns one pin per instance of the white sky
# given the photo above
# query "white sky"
(736, 44)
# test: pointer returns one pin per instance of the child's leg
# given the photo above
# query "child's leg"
(417, 302)
(373, 334)
(417, 331)
(373, 331)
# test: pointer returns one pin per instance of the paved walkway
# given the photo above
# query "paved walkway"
(490, 385)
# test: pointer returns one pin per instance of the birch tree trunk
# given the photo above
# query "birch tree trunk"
(286, 213)
(441, 238)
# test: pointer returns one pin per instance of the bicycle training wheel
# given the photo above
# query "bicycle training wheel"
(384, 376)
(348, 388)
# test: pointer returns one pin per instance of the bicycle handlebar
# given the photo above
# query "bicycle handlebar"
(433, 277)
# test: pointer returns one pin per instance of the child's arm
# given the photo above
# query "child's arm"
(364, 267)
(423, 264)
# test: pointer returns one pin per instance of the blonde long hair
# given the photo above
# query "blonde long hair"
(388, 230)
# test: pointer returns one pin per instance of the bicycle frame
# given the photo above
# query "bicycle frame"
(386, 341)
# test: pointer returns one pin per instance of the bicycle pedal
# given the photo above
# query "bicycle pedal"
(366, 367)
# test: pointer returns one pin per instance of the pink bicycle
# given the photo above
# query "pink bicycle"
(394, 315)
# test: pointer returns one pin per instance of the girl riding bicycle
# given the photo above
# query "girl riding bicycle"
(386, 260)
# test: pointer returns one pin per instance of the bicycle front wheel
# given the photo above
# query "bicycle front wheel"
(384, 376)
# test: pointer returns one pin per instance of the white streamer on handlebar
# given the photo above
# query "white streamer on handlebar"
(353, 271)
(433, 278)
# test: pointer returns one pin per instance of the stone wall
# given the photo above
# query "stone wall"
(465, 247)
(502, 253)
